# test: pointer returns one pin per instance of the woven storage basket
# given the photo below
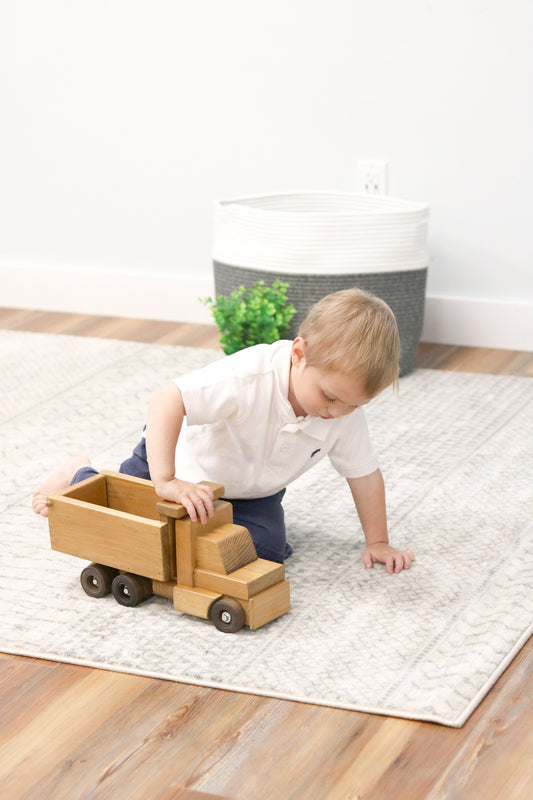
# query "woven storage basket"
(322, 242)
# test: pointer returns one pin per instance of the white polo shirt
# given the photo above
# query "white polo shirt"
(241, 430)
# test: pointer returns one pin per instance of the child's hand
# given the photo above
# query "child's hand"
(197, 498)
(394, 560)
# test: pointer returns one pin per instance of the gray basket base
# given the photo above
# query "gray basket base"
(403, 291)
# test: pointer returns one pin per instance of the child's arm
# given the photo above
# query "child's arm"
(165, 418)
(369, 497)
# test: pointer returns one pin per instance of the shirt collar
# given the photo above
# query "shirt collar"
(312, 426)
(281, 361)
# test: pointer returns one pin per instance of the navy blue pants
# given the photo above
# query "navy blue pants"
(263, 516)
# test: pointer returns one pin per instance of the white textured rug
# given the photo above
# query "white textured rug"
(457, 454)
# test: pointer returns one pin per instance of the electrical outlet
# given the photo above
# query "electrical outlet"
(372, 177)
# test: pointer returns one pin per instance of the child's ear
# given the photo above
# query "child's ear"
(298, 351)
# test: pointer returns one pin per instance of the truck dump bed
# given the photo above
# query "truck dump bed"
(89, 520)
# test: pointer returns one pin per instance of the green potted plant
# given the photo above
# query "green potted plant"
(251, 316)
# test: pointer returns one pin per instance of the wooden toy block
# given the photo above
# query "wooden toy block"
(267, 605)
(140, 545)
(188, 533)
(226, 549)
(223, 514)
(164, 588)
(194, 600)
(172, 556)
(244, 582)
(177, 511)
(185, 555)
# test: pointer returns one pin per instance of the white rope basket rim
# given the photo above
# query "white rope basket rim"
(321, 232)
(364, 204)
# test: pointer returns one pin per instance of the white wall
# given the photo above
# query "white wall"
(123, 119)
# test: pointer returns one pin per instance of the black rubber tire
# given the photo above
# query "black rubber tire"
(97, 579)
(227, 615)
(130, 590)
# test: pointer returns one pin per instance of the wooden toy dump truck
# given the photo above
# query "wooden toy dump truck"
(141, 545)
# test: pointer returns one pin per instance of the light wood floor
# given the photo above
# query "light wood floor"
(75, 732)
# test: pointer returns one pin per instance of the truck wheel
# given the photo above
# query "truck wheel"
(227, 615)
(96, 580)
(130, 590)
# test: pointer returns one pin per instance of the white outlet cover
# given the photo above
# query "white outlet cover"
(371, 176)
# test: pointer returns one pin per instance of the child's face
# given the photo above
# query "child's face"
(319, 393)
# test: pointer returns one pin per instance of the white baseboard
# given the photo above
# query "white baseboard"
(478, 323)
(160, 296)
(448, 320)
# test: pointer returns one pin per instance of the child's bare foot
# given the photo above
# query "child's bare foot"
(58, 480)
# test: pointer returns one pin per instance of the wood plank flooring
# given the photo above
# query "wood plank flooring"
(75, 732)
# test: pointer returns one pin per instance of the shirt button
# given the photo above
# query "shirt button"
(284, 448)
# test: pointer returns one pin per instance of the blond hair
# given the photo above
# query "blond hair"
(354, 333)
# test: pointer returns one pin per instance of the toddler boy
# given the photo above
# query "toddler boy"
(256, 420)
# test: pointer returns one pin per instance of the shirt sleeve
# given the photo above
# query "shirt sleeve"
(352, 455)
